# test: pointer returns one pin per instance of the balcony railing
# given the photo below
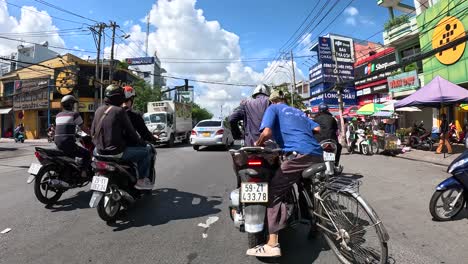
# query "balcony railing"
(400, 30)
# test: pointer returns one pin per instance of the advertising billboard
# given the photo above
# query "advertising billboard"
(342, 49)
(140, 61)
(366, 69)
(403, 82)
(325, 53)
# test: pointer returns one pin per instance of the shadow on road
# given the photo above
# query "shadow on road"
(213, 149)
(355, 176)
(78, 201)
(165, 205)
(11, 166)
(8, 149)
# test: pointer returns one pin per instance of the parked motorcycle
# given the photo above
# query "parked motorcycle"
(453, 135)
(420, 138)
(56, 173)
(50, 136)
(19, 137)
(315, 200)
(451, 195)
(115, 181)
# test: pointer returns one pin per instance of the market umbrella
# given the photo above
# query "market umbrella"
(370, 109)
(391, 107)
(435, 94)
(351, 111)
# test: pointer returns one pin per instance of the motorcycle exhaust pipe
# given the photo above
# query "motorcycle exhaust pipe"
(59, 184)
(126, 196)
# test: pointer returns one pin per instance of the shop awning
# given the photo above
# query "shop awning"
(4, 111)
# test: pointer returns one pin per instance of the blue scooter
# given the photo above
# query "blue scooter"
(451, 195)
(19, 137)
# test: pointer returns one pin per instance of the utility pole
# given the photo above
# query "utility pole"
(113, 25)
(100, 28)
(294, 79)
(147, 33)
(339, 91)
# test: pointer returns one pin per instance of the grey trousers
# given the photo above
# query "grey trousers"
(285, 177)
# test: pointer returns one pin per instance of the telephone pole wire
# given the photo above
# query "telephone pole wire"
(113, 25)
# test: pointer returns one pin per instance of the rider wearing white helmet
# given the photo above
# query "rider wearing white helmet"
(251, 112)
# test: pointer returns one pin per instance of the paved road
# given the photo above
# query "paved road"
(193, 186)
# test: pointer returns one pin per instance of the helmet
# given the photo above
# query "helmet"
(277, 95)
(115, 94)
(129, 92)
(68, 101)
(261, 89)
(323, 107)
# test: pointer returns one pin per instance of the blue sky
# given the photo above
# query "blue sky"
(231, 30)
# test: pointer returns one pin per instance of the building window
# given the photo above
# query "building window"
(412, 52)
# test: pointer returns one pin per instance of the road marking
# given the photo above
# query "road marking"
(211, 220)
(6, 230)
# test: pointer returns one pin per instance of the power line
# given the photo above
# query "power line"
(65, 11)
(56, 47)
(34, 11)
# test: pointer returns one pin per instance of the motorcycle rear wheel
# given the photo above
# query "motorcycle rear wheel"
(110, 212)
(448, 212)
(42, 184)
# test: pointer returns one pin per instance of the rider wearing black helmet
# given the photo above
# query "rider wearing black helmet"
(68, 123)
(114, 135)
(328, 128)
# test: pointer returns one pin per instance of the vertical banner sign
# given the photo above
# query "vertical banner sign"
(325, 50)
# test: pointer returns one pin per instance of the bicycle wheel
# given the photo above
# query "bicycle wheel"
(359, 236)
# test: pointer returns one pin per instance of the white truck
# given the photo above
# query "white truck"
(170, 121)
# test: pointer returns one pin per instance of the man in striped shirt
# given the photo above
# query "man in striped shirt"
(68, 123)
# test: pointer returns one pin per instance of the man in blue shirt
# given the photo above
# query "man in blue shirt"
(294, 132)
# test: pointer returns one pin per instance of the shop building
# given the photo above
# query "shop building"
(371, 88)
(440, 23)
(402, 33)
(34, 92)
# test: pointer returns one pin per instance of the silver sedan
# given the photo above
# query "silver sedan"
(211, 133)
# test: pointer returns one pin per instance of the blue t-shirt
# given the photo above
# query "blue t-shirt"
(292, 129)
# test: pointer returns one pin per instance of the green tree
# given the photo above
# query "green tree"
(297, 98)
(145, 93)
(200, 113)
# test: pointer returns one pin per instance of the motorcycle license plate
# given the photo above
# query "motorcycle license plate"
(327, 156)
(99, 184)
(34, 168)
(254, 192)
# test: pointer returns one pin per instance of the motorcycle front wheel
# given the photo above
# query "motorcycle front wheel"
(44, 192)
(365, 149)
(440, 204)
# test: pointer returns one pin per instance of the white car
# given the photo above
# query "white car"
(211, 133)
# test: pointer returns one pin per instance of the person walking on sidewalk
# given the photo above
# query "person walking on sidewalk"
(444, 129)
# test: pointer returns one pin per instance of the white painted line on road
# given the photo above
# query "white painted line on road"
(211, 220)
(6, 230)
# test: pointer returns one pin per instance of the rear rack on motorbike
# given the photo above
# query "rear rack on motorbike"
(343, 184)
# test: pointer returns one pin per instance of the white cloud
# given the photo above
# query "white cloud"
(182, 31)
(28, 22)
(351, 11)
(351, 21)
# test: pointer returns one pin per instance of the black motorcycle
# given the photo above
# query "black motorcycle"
(56, 172)
(114, 185)
(327, 203)
(420, 138)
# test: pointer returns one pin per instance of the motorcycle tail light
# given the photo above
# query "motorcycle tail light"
(38, 156)
(102, 166)
(328, 148)
(252, 179)
(254, 162)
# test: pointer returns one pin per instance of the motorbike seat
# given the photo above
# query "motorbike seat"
(312, 170)
(51, 151)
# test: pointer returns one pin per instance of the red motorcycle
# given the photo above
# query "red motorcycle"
(454, 136)
(56, 172)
